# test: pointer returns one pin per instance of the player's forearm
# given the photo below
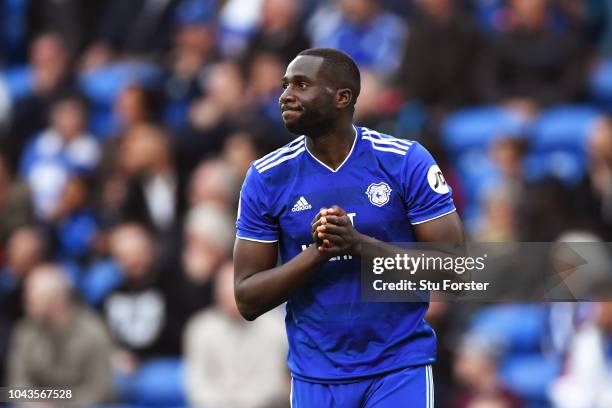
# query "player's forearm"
(263, 291)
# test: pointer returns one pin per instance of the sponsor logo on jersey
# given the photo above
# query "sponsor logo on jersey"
(301, 205)
(379, 193)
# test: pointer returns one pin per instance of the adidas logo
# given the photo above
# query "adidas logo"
(301, 205)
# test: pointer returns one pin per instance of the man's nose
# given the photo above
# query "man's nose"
(286, 96)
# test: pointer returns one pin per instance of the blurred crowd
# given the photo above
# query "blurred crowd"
(126, 129)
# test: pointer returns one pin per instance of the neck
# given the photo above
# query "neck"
(333, 145)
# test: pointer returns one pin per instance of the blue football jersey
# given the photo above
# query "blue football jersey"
(386, 185)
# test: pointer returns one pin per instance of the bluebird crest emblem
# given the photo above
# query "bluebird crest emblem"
(379, 193)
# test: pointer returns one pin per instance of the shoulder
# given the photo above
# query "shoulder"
(91, 327)
(25, 330)
(386, 145)
(280, 159)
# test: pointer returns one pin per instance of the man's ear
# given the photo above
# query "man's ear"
(344, 97)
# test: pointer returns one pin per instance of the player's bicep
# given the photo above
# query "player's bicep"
(447, 228)
(251, 257)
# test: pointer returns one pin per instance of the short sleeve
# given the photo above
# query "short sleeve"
(427, 195)
(254, 221)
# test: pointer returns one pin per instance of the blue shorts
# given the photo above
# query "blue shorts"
(411, 387)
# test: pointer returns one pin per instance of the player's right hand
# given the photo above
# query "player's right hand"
(316, 222)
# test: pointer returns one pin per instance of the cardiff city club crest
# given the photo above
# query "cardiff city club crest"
(379, 193)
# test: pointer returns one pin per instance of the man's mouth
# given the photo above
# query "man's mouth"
(291, 111)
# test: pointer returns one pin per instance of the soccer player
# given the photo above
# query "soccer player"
(370, 188)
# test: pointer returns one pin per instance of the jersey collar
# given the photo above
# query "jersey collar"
(346, 159)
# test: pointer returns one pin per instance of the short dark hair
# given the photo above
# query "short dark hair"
(345, 72)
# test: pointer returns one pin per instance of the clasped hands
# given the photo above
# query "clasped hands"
(333, 233)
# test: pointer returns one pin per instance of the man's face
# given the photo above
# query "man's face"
(307, 102)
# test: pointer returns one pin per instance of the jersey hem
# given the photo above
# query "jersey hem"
(433, 218)
(257, 240)
(352, 379)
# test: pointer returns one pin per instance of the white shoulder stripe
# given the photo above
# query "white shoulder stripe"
(381, 137)
(282, 159)
(388, 149)
(278, 151)
(386, 142)
(278, 154)
(396, 139)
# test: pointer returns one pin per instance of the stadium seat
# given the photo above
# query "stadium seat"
(102, 86)
(478, 127)
(102, 277)
(19, 81)
(478, 175)
(600, 85)
(530, 376)
(517, 327)
(566, 166)
(467, 135)
(563, 127)
(159, 383)
(558, 142)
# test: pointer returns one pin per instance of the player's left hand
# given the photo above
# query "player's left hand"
(336, 230)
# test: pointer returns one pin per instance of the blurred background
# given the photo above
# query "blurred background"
(126, 128)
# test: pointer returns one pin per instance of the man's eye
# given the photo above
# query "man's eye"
(303, 85)
(284, 85)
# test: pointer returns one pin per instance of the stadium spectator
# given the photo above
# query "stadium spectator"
(263, 90)
(51, 76)
(502, 198)
(148, 306)
(214, 181)
(363, 29)
(533, 64)
(25, 250)
(600, 174)
(153, 195)
(74, 20)
(442, 46)
(476, 370)
(370, 109)
(237, 23)
(136, 311)
(549, 207)
(211, 117)
(62, 152)
(135, 28)
(208, 236)
(587, 378)
(135, 105)
(60, 343)
(497, 222)
(194, 47)
(240, 149)
(15, 201)
(280, 32)
(219, 355)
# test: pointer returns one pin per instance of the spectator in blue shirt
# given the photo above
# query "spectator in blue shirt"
(61, 152)
(362, 29)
